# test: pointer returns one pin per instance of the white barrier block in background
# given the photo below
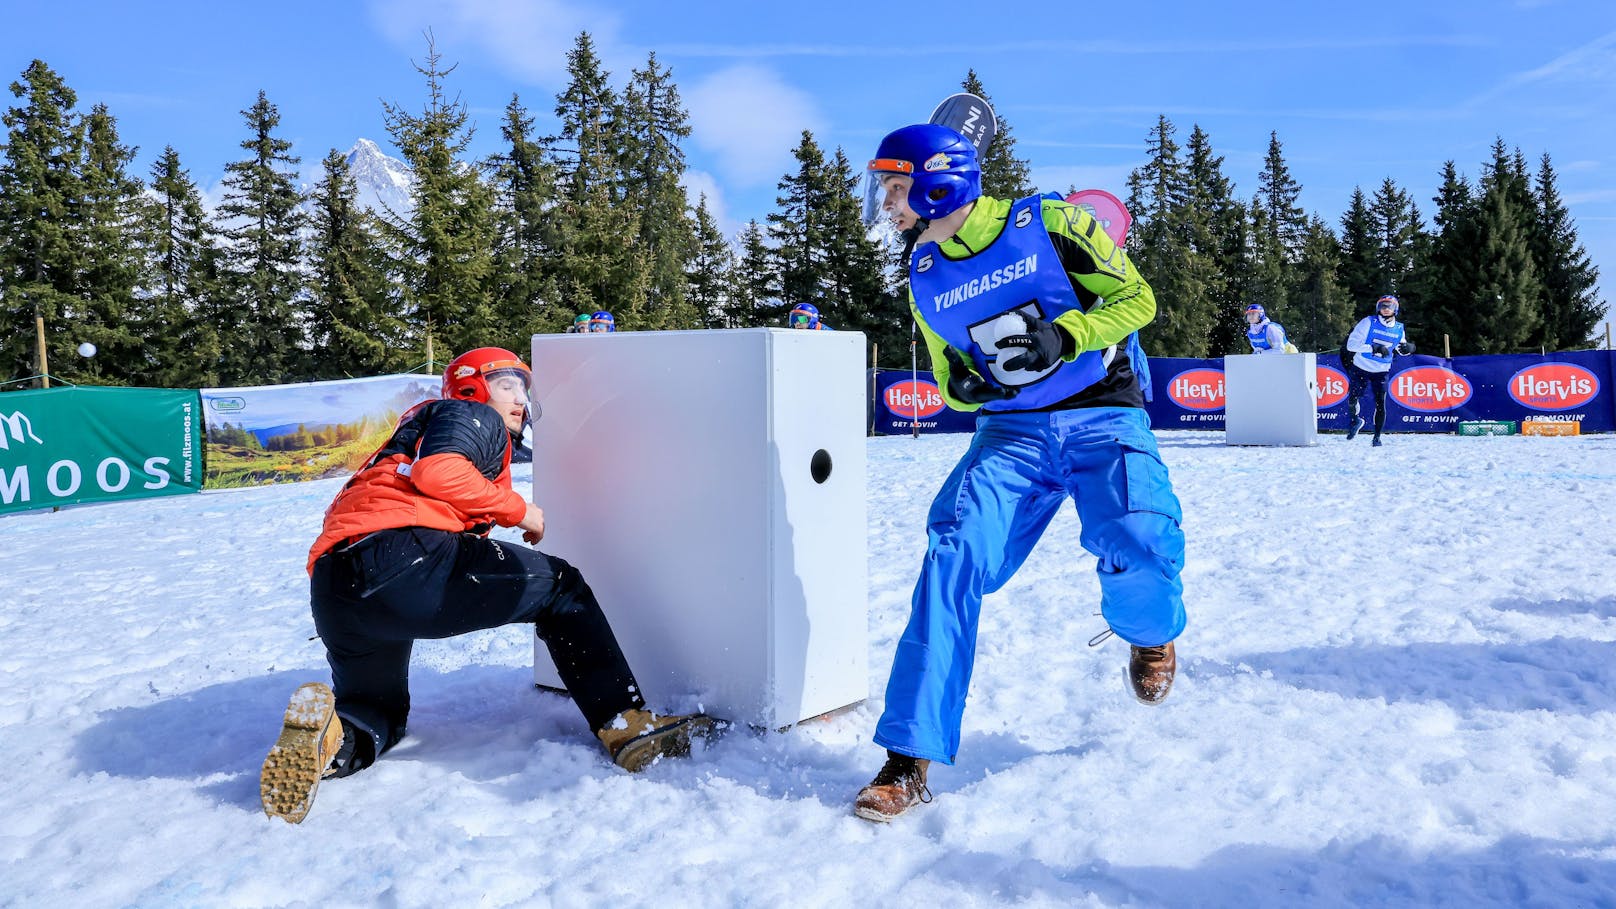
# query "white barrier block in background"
(710, 485)
(1270, 399)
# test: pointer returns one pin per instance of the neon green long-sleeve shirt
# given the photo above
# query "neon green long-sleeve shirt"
(1116, 300)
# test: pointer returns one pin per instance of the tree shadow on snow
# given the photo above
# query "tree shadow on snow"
(488, 716)
(1558, 674)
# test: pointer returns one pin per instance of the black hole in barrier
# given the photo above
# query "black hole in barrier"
(819, 466)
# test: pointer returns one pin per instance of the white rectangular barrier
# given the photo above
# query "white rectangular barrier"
(1271, 399)
(710, 485)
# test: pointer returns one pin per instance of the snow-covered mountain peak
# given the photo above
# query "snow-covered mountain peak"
(383, 181)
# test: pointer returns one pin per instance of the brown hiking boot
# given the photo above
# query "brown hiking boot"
(899, 786)
(635, 738)
(1150, 672)
(310, 738)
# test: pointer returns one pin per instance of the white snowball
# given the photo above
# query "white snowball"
(86, 349)
(1011, 323)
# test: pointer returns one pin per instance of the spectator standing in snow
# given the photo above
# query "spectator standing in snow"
(1025, 306)
(404, 554)
(1374, 341)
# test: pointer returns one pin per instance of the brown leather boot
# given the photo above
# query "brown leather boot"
(1150, 672)
(635, 738)
(310, 737)
(899, 786)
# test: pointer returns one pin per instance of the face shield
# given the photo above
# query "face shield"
(873, 192)
(507, 385)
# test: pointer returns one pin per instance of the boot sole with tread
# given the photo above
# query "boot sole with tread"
(293, 769)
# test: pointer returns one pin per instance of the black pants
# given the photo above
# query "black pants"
(1357, 379)
(373, 600)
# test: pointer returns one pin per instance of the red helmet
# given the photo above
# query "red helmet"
(467, 376)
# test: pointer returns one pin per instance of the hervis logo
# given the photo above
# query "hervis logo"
(1430, 388)
(1553, 386)
(1332, 386)
(903, 399)
(1197, 389)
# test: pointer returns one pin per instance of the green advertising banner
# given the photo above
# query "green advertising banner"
(65, 446)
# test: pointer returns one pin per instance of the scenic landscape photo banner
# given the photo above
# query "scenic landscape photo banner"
(284, 433)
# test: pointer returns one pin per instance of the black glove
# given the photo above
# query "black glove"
(969, 387)
(1381, 350)
(1405, 348)
(1041, 345)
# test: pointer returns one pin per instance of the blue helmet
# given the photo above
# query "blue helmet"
(1262, 314)
(1392, 299)
(601, 320)
(941, 161)
(803, 315)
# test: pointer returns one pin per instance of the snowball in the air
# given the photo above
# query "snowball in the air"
(86, 349)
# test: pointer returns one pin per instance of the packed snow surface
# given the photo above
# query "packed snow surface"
(1398, 687)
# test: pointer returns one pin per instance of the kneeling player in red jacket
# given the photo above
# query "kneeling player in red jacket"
(405, 555)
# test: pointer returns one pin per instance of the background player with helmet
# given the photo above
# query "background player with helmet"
(1367, 355)
(404, 554)
(1025, 306)
(1266, 336)
(806, 316)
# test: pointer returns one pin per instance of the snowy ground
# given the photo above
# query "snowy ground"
(1397, 688)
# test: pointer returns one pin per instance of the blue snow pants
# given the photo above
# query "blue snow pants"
(986, 520)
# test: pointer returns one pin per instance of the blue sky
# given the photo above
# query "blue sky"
(1357, 92)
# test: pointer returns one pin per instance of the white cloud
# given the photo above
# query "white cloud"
(527, 38)
(749, 120)
(698, 183)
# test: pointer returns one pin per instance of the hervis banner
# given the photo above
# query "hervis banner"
(66, 446)
(902, 402)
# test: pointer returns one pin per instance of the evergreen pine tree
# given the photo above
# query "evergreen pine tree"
(1397, 226)
(1278, 233)
(751, 294)
(1159, 243)
(263, 335)
(1503, 308)
(1004, 176)
(1448, 280)
(524, 180)
(1360, 275)
(653, 124)
(352, 319)
(1217, 235)
(853, 284)
(800, 230)
(182, 280)
(600, 263)
(109, 238)
(1319, 293)
(444, 252)
(1571, 306)
(710, 272)
(40, 191)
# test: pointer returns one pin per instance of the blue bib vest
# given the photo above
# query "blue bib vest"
(962, 299)
(1381, 333)
(1258, 335)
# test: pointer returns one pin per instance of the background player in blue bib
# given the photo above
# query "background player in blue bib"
(1374, 341)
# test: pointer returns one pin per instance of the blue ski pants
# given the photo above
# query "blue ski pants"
(985, 521)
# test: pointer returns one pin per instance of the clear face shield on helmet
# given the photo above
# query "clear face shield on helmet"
(507, 385)
(873, 190)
